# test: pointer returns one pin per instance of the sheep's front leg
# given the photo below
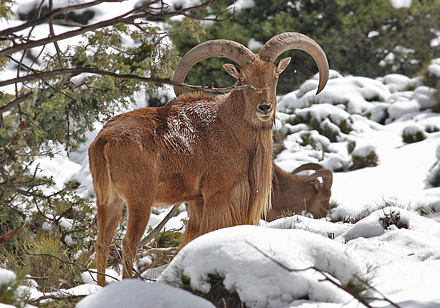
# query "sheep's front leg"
(195, 213)
(226, 209)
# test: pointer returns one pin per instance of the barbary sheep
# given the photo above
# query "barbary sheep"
(214, 149)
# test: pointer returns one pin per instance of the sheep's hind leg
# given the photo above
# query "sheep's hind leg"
(138, 215)
(109, 215)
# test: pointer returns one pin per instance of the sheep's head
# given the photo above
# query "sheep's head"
(258, 72)
(319, 191)
(261, 77)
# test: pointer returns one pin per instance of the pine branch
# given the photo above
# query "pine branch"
(74, 71)
(50, 15)
(144, 11)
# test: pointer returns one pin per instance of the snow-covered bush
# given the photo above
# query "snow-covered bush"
(363, 156)
(330, 121)
(386, 219)
(434, 176)
(9, 285)
(432, 79)
(267, 267)
(314, 140)
(413, 133)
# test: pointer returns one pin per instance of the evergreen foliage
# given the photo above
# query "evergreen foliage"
(99, 74)
(366, 38)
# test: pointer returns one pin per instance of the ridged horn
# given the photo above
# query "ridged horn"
(293, 40)
(308, 166)
(216, 48)
(326, 175)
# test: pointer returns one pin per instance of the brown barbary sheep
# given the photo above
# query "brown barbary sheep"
(216, 150)
(294, 193)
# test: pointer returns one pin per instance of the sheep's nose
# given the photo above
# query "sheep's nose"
(265, 107)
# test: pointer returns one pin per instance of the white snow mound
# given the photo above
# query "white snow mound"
(249, 259)
(142, 295)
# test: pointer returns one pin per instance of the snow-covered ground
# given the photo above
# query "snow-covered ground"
(283, 263)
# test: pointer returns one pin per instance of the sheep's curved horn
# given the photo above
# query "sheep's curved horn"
(216, 48)
(326, 175)
(308, 166)
(293, 40)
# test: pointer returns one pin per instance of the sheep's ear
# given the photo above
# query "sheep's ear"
(232, 70)
(283, 64)
(317, 185)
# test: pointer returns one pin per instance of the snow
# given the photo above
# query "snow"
(259, 281)
(241, 4)
(413, 130)
(364, 151)
(321, 227)
(364, 114)
(353, 91)
(6, 276)
(375, 225)
(254, 45)
(137, 294)
(434, 68)
(398, 4)
(396, 82)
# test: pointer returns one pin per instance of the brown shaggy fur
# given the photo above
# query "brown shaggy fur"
(294, 193)
(216, 150)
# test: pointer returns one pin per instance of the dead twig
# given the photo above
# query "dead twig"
(159, 227)
(327, 277)
(129, 17)
(151, 251)
(9, 235)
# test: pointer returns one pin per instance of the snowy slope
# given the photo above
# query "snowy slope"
(371, 248)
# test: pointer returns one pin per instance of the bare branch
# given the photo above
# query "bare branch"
(23, 192)
(327, 277)
(15, 102)
(127, 18)
(74, 71)
(151, 251)
(52, 14)
(333, 281)
(9, 235)
(159, 227)
(52, 33)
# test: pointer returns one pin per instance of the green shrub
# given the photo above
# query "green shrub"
(434, 179)
(392, 218)
(218, 295)
(351, 145)
(413, 133)
(9, 294)
(343, 30)
(363, 157)
(43, 255)
(312, 139)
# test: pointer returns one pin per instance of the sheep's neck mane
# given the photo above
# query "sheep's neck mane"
(258, 141)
